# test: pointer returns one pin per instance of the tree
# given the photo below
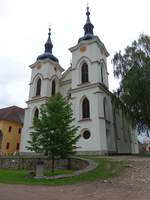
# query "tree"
(54, 134)
(133, 69)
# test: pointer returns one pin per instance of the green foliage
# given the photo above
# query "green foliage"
(54, 133)
(133, 68)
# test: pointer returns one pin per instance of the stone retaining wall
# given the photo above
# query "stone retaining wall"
(30, 163)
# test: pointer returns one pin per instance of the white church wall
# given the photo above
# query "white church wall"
(101, 121)
(64, 89)
(67, 75)
(112, 141)
(28, 122)
(124, 141)
(135, 144)
(93, 143)
(24, 132)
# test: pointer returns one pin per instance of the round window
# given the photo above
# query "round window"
(86, 135)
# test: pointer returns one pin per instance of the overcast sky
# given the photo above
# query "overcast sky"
(24, 28)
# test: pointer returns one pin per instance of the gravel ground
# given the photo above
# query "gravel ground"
(133, 184)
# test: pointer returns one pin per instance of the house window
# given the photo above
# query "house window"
(84, 73)
(19, 130)
(9, 129)
(38, 87)
(17, 146)
(53, 88)
(36, 113)
(86, 135)
(85, 108)
(7, 145)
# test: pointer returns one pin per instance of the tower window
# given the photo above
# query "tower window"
(9, 129)
(36, 114)
(38, 87)
(53, 88)
(85, 108)
(84, 73)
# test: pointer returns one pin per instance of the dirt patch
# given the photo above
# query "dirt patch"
(133, 184)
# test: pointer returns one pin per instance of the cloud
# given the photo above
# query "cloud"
(24, 28)
(14, 79)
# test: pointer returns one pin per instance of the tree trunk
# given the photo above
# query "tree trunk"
(53, 164)
(69, 163)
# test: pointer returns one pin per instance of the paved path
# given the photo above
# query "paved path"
(134, 184)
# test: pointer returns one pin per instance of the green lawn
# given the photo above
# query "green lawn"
(48, 172)
(106, 169)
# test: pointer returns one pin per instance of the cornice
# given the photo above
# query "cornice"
(67, 82)
(47, 60)
(36, 99)
(87, 86)
(91, 41)
(47, 78)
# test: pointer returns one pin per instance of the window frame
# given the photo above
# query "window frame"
(36, 113)
(9, 129)
(85, 108)
(38, 87)
(84, 73)
(86, 137)
(19, 130)
(17, 146)
(53, 89)
(7, 145)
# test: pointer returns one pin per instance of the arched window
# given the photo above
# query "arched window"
(84, 73)
(102, 78)
(36, 113)
(38, 87)
(53, 88)
(85, 108)
(104, 107)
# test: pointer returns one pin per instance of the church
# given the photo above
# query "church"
(104, 129)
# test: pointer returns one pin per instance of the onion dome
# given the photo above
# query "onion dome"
(88, 28)
(48, 50)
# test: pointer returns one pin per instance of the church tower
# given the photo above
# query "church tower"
(44, 83)
(89, 90)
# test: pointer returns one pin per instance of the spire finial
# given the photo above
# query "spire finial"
(88, 14)
(48, 48)
(88, 27)
(87, 5)
(48, 44)
(49, 29)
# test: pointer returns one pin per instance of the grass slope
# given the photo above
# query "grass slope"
(106, 169)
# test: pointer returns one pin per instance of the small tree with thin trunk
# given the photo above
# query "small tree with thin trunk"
(54, 134)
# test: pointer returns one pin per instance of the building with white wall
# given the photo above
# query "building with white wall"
(103, 129)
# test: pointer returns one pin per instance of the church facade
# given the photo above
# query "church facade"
(103, 128)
